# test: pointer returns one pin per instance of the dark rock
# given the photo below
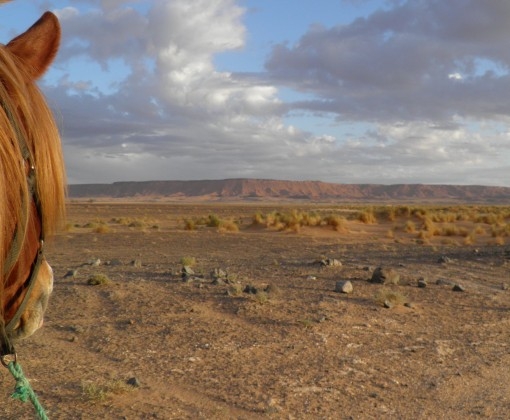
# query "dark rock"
(133, 382)
(444, 259)
(71, 273)
(250, 289)
(422, 283)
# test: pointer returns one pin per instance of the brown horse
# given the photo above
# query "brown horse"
(32, 180)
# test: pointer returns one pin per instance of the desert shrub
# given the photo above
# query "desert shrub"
(403, 211)
(98, 280)
(258, 219)
(431, 227)
(394, 297)
(102, 228)
(188, 261)
(213, 221)
(190, 224)
(367, 217)
(470, 239)
(388, 213)
(228, 226)
(410, 227)
(449, 230)
(480, 230)
(95, 391)
(137, 223)
(338, 223)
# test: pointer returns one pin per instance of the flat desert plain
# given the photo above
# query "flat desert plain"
(129, 336)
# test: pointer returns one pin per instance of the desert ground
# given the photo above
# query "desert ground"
(128, 335)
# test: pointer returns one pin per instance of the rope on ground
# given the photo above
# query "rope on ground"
(23, 390)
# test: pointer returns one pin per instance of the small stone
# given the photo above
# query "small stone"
(388, 304)
(344, 287)
(444, 259)
(218, 273)
(134, 382)
(136, 263)
(409, 305)
(218, 281)
(95, 262)
(504, 286)
(458, 288)
(422, 283)
(250, 289)
(187, 273)
(444, 282)
(71, 273)
(311, 278)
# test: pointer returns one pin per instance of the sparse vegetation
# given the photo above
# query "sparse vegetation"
(386, 295)
(98, 280)
(99, 391)
(188, 261)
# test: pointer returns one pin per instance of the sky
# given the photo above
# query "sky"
(344, 91)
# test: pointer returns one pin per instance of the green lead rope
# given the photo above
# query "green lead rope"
(23, 390)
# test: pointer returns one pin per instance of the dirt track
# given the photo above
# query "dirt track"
(298, 351)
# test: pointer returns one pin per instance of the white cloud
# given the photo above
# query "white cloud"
(429, 80)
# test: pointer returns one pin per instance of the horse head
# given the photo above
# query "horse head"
(32, 179)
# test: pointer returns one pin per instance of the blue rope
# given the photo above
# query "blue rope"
(23, 390)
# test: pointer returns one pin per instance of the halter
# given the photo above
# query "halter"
(19, 237)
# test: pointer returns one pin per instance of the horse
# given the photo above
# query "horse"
(32, 181)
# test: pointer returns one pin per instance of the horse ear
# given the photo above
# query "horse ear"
(38, 46)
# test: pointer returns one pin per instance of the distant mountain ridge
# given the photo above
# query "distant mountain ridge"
(260, 189)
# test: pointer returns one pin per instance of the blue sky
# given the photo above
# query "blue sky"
(347, 91)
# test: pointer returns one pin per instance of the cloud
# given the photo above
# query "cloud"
(427, 81)
(397, 64)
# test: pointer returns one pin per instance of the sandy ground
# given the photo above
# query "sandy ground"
(299, 350)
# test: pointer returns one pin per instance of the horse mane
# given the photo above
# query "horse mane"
(24, 112)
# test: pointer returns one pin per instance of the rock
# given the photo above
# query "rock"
(409, 305)
(444, 282)
(444, 259)
(384, 275)
(422, 283)
(250, 289)
(133, 382)
(344, 287)
(458, 288)
(71, 273)
(95, 262)
(136, 263)
(504, 286)
(218, 281)
(388, 304)
(273, 290)
(311, 278)
(329, 262)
